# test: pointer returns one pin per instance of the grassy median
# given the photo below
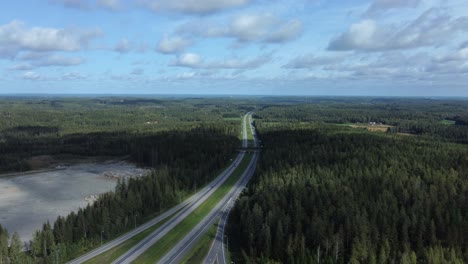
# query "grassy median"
(115, 252)
(160, 248)
(198, 253)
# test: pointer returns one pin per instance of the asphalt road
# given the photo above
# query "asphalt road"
(217, 251)
(176, 254)
(183, 210)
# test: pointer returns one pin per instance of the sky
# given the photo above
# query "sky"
(252, 47)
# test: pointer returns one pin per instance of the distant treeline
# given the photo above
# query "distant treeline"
(98, 127)
(414, 116)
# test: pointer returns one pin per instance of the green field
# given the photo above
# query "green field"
(183, 228)
(447, 122)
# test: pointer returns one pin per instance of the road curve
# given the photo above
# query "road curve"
(181, 208)
(176, 254)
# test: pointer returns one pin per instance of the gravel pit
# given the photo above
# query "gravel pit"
(27, 201)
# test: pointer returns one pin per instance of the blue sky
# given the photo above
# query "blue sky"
(271, 47)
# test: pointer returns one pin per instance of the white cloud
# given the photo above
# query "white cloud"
(240, 64)
(21, 67)
(30, 75)
(432, 28)
(73, 76)
(168, 45)
(123, 46)
(197, 7)
(263, 27)
(109, 4)
(286, 32)
(15, 37)
(194, 61)
(190, 60)
(45, 59)
(251, 27)
(57, 60)
(186, 75)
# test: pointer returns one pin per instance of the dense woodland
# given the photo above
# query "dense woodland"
(332, 194)
(323, 192)
(31, 127)
(184, 153)
(435, 118)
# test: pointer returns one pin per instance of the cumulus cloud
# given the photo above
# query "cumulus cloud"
(286, 32)
(21, 67)
(240, 64)
(460, 55)
(251, 27)
(57, 60)
(73, 76)
(168, 45)
(199, 7)
(46, 59)
(123, 46)
(190, 60)
(431, 28)
(15, 37)
(263, 27)
(194, 61)
(30, 75)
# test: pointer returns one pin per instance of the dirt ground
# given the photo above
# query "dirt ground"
(27, 201)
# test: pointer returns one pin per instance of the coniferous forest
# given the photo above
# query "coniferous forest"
(326, 193)
(185, 150)
(339, 180)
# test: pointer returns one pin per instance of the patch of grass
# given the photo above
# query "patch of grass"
(231, 118)
(447, 122)
(113, 253)
(198, 253)
(371, 128)
(250, 142)
(155, 252)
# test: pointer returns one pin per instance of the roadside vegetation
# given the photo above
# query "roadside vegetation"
(160, 248)
(114, 253)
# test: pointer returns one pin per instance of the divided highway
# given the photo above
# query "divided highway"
(182, 210)
(217, 250)
(216, 253)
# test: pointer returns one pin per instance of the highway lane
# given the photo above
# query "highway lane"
(146, 243)
(181, 208)
(176, 254)
(222, 209)
(217, 254)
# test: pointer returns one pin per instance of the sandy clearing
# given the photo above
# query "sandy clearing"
(27, 201)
